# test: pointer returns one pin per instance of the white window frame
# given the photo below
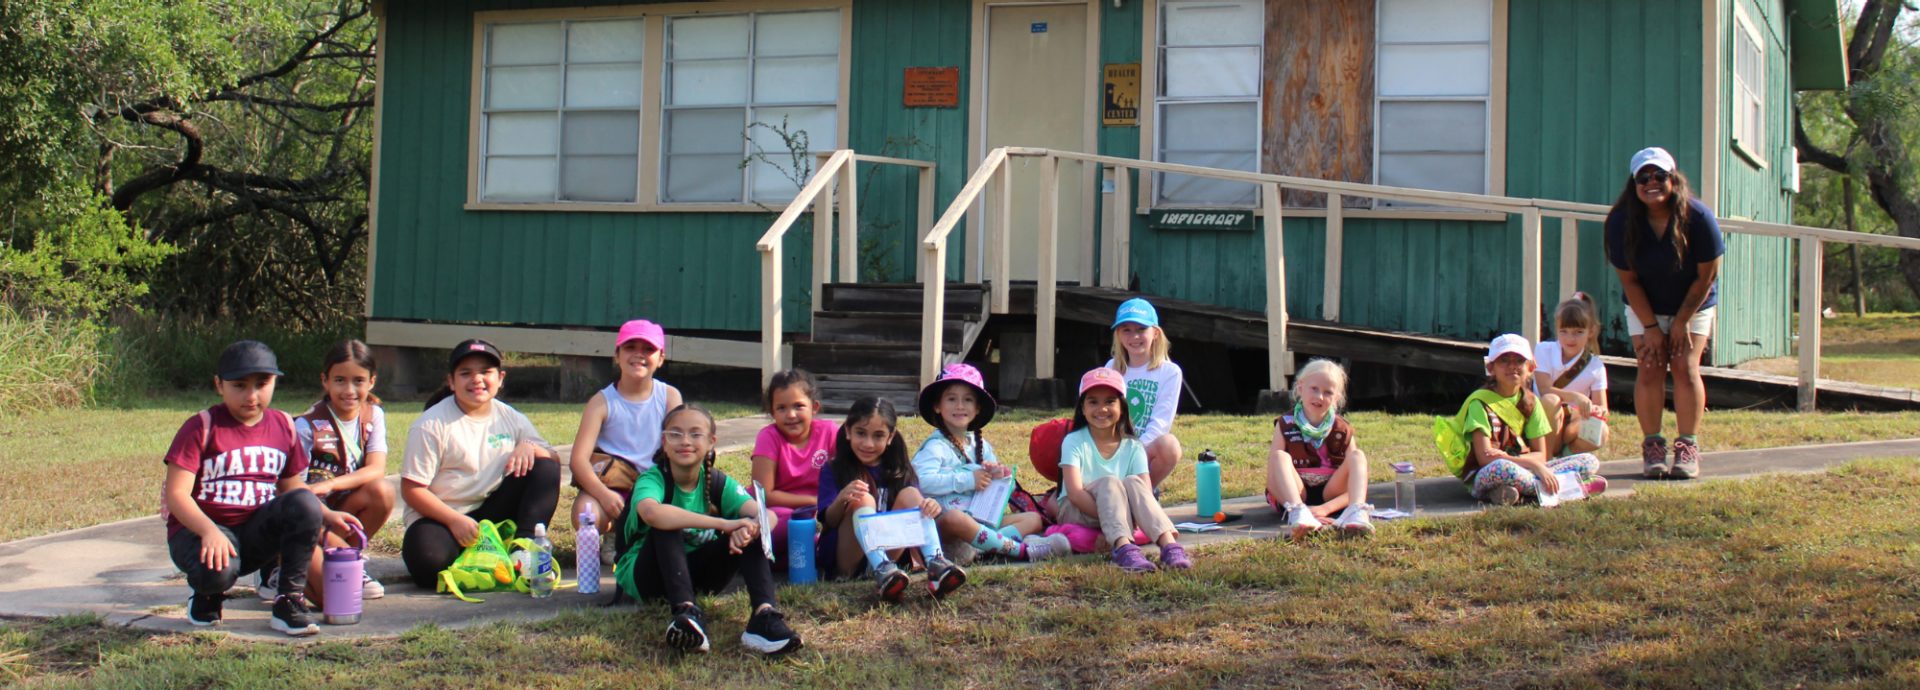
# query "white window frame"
(653, 66)
(1486, 100)
(1161, 100)
(1749, 102)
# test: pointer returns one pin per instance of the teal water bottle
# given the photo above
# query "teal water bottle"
(1206, 480)
(801, 529)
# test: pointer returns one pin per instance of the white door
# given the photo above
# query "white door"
(1037, 94)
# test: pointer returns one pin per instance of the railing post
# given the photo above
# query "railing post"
(1279, 361)
(926, 203)
(1002, 235)
(770, 312)
(933, 293)
(1530, 274)
(1809, 322)
(1123, 227)
(1336, 246)
(849, 224)
(1043, 297)
(1569, 256)
(822, 239)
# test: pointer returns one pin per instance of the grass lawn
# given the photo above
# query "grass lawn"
(1880, 349)
(1786, 581)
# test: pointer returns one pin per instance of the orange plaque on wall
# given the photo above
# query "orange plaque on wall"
(931, 87)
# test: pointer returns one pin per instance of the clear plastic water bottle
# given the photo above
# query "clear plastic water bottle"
(586, 554)
(1403, 488)
(1206, 481)
(545, 573)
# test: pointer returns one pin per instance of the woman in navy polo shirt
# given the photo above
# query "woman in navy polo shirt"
(1666, 246)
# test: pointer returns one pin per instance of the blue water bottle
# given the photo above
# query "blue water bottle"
(1206, 481)
(801, 529)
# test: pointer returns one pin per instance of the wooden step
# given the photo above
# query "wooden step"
(839, 391)
(967, 298)
(885, 327)
(883, 358)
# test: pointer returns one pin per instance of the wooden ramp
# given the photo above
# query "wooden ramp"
(1726, 388)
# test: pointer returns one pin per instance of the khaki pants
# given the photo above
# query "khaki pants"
(1124, 504)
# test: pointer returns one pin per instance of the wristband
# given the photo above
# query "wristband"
(1650, 326)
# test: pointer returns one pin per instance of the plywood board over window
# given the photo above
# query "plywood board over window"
(1319, 91)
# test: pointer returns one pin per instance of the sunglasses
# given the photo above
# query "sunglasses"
(1655, 175)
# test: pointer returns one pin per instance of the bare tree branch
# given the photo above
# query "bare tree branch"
(1811, 152)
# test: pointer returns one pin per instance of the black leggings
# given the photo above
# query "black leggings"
(286, 529)
(527, 500)
(664, 569)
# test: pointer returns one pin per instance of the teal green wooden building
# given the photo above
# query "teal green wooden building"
(546, 170)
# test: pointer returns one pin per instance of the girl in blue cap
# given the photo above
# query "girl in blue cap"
(1153, 383)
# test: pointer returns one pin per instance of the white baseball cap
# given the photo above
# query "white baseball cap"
(1654, 156)
(1509, 343)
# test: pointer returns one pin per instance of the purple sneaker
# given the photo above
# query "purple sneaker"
(1686, 459)
(1653, 458)
(1175, 557)
(1129, 558)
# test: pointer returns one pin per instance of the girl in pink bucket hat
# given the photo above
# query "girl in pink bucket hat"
(1104, 477)
(957, 461)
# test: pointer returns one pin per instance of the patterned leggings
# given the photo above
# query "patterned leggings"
(1509, 473)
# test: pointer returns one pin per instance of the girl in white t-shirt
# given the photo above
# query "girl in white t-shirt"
(1153, 383)
(1571, 379)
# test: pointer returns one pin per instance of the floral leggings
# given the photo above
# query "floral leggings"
(1509, 473)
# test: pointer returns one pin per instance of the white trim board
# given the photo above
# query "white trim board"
(743, 354)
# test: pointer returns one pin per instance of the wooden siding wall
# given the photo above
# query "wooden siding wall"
(695, 271)
(1756, 292)
(1317, 110)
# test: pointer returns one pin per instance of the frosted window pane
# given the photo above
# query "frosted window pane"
(709, 83)
(796, 80)
(602, 86)
(1212, 72)
(1433, 126)
(1435, 21)
(817, 123)
(601, 134)
(521, 134)
(1213, 23)
(614, 41)
(518, 179)
(707, 131)
(1433, 70)
(797, 33)
(1209, 126)
(703, 178)
(598, 178)
(707, 37)
(1449, 172)
(523, 87)
(774, 183)
(524, 44)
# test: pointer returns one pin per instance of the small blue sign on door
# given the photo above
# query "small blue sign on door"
(1038, 28)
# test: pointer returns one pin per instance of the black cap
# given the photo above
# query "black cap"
(247, 357)
(469, 347)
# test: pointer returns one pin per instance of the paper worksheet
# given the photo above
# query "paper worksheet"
(894, 529)
(990, 504)
(1570, 490)
(766, 520)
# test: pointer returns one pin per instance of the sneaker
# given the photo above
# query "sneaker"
(889, 582)
(1042, 548)
(607, 553)
(1504, 496)
(1129, 558)
(687, 632)
(1175, 556)
(1653, 458)
(943, 577)
(204, 609)
(371, 588)
(1686, 459)
(1301, 521)
(266, 583)
(1595, 486)
(291, 616)
(1355, 521)
(767, 633)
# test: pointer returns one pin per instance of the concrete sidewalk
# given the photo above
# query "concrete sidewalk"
(121, 571)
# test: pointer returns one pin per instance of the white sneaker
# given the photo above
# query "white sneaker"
(1301, 521)
(1041, 548)
(1355, 521)
(371, 588)
(607, 553)
(266, 583)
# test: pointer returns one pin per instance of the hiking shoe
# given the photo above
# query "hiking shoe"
(687, 632)
(889, 582)
(1175, 556)
(371, 588)
(1504, 496)
(266, 583)
(1355, 521)
(943, 577)
(767, 633)
(1595, 486)
(291, 616)
(1129, 558)
(1653, 458)
(1301, 521)
(204, 609)
(1686, 459)
(1042, 548)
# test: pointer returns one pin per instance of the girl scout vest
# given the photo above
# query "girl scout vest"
(329, 458)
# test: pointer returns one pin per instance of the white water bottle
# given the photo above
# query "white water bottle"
(544, 574)
(586, 554)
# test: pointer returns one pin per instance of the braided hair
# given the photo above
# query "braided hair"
(661, 461)
(896, 470)
(958, 444)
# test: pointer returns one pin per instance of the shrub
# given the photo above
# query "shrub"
(46, 361)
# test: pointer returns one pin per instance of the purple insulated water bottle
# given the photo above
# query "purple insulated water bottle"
(341, 572)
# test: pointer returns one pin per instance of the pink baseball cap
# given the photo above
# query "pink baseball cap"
(645, 330)
(1103, 376)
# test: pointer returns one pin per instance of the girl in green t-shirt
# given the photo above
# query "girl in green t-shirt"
(681, 511)
(1506, 429)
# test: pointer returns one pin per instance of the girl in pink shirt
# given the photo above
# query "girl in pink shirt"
(788, 454)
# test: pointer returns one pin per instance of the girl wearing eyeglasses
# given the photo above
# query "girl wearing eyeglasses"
(1666, 247)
